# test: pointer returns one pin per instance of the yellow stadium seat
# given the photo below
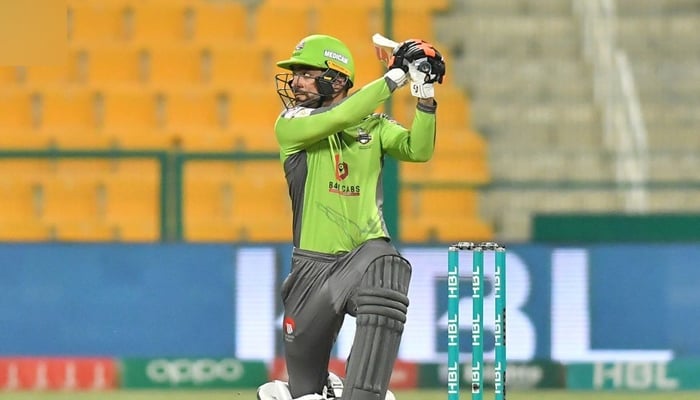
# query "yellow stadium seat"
(206, 139)
(245, 201)
(305, 5)
(451, 167)
(69, 198)
(127, 109)
(195, 108)
(133, 204)
(19, 200)
(438, 202)
(413, 24)
(17, 110)
(453, 110)
(25, 139)
(288, 22)
(67, 108)
(253, 113)
(157, 22)
(207, 198)
(111, 64)
(348, 23)
(97, 22)
(367, 65)
(24, 231)
(60, 73)
(176, 65)
(85, 231)
(238, 63)
(453, 140)
(442, 230)
(255, 137)
(255, 105)
(398, 5)
(8, 75)
(141, 139)
(220, 22)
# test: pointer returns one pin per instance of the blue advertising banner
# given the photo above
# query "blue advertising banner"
(601, 303)
(127, 300)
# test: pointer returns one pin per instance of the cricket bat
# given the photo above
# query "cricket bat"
(383, 47)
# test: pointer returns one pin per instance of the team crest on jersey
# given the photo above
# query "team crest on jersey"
(363, 136)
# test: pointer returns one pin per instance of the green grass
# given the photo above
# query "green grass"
(400, 395)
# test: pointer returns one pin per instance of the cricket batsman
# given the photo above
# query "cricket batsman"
(332, 149)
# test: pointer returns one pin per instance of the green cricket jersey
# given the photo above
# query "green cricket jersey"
(333, 159)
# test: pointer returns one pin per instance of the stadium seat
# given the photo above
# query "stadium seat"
(8, 75)
(115, 64)
(19, 200)
(364, 23)
(19, 208)
(66, 108)
(399, 5)
(238, 63)
(133, 201)
(96, 22)
(37, 76)
(169, 66)
(219, 22)
(438, 202)
(24, 231)
(23, 139)
(69, 198)
(445, 229)
(157, 23)
(269, 26)
(412, 24)
(126, 109)
(255, 137)
(17, 110)
(245, 201)
(450, 167)
(257, 105)
(455, 140)
(253, 111)
(195, 108)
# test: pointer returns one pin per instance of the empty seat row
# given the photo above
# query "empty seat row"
(218, 21)
(73, 200)
(107, 114)
(226, 65)
(119, 200)
(154, 21)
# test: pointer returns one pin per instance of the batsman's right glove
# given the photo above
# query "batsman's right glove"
(421, 54)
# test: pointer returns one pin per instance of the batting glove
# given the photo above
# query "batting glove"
(396, 77)
(421, 79)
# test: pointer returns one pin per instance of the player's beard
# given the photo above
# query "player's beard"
(307, 99)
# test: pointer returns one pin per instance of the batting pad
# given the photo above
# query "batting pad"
(380, 316)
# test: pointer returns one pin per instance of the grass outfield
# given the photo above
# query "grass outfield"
(400, 395)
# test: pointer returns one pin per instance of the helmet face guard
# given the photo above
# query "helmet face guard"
(324, 88)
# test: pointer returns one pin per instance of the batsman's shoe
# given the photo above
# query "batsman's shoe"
(334, 388)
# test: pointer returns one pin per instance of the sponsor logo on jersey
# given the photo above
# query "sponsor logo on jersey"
(341, 168)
